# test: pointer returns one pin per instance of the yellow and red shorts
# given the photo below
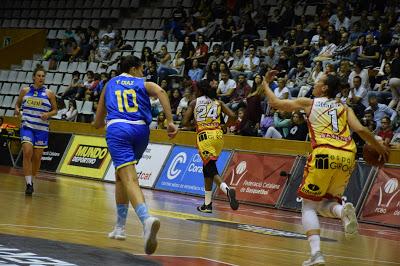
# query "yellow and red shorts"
(326, 174)
(210, 143)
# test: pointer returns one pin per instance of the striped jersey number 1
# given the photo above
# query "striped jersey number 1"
(334, 120)
(123, 101)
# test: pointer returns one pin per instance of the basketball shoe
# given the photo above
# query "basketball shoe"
(349, 220)
(205, 208)
(316, 259)
(231, 193)
(29, 189)
(118, 233)
(151, 227)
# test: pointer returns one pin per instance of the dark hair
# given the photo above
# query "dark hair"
(97, 76)
(357, 77)
(369, 111)
(76, 73)
(90, 72)
(127, 62)
(333, 83)
(38, 67)
(73, 103)
(205, 89)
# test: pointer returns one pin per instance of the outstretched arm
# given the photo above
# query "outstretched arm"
(301, 103)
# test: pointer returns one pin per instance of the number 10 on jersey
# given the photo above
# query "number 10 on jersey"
(124, 105)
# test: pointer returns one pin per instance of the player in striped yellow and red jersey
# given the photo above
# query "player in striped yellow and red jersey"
(331, 162)
(207, 116)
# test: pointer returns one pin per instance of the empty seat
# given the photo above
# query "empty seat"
(48, 24)
(79, 105)
(2, 111)
(12, 76)
(27, 65)
(92, 66)
(53, 88)
(49, 78)
(14, 101)
(9, 112)
(150, 35)
(52, 34)
(150, 44)
(7, 101)
(4, 75)
(146, 23)
(63, 66)
(21, 76)
(139, 35)
(15, 87)
(6, 89)
(171, 47)
(155, 24)
(138, 46)
(58, 78)
(115, 13)
(82, 67)
(67, 79)
(87, 108)
(28, 78)
(62, 89)
(130, 35)
(158, 35)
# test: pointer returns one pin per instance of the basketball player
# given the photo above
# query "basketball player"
(332, 160)
(209, 140)
(126, 100)
(37, 104)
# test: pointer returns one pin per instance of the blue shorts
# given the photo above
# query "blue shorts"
(38, 138)
(127, 143)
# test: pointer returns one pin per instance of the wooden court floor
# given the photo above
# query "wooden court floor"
(82, 211)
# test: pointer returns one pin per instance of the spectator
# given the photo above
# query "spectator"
(362, 73)
(75, 85)
(340, 20)
(298, 129)
(239, 95)
(184, 102)
(103, 52)
(385, 131)
(147, 57)
(212, 72)
(394, 81)
(165, 60)
(195, 73)
(371, 52)
(201, 50)
(343, 95)
(216, 55)
(223, 67)
(380, 110)
(271, 59)
(175, 99)
(156, 106)
(355, 32)
(396, 36)
(251, 62)
(161, 121)
(226, 87)
(299, 78)
(75, 51)
(282, 123)
(282, 92)
(187, 48)
(253, 100)
(72, 112)
(109, 33)
(358, 96)
(150, 73)
(99, 88)
(238, 63)
(228, 59)
(87, 85)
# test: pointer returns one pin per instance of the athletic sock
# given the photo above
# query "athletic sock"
(28, 179)
(224, 187)
(207, 197)
(315, 245)
(142, 212)
(122, 213)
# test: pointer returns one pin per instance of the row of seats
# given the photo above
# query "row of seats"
(6, 112)
(60, 14)
(8, 101)
(49, 23)
(70, 4)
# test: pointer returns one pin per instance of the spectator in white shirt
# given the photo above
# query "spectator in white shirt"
(225, 87)
(282, 92)
(251, 62)
(362, 73)
(358, 97)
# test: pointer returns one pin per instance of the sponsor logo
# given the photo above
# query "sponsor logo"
(173, 171)
(313, 187)
(238, 173)
(89, 156)
(389, 191)
(26, 138)
(13, 256)
(322, 161)
(33, 102)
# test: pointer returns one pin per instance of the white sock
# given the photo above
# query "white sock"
(207, 198)
(337, 210)
(315, 245)
(28, 179)
(310, 223)
(223, 187)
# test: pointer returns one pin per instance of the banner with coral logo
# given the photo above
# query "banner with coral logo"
(383, 202)
(257, 177)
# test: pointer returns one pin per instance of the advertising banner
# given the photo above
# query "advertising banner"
(87, 156)
(149, 166)
(183, 171)
(353, 193)
(383, 201)
(58, 143)
(256, 177)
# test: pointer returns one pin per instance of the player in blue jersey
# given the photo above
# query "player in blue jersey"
(36, 104)
(126, 101)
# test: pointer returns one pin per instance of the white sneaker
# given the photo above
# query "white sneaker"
(118, 233)
(317, 259)
(349, 220)
(151, 227)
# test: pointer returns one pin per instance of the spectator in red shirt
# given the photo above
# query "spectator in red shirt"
(386, 132)
(201, 50)
(238, 98)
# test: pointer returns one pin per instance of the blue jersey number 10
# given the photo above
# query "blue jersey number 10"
(123, 103)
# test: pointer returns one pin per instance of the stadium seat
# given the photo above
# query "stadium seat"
(139, 35)
(12, 76)
(28, 78)
(49, 78)
(6, 88)
(58, 78)
(8, 99)
(130, 35)
(2, 111)
(14, 101)
(9, 112)
(67, 79)
(79, 105)
(53, 88)
(63, 66)
(21, 76)
(15, 88)
(82, 67)
(87, 108)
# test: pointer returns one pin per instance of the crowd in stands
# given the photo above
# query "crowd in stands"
(356, 40)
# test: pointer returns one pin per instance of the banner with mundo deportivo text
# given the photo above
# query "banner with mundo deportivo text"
(149, 165)
(256, 177)
(183, 171)
(383, 201)
(87, 156)
(52, 155)
(353, 193)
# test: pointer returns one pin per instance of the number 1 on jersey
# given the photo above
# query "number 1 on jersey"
(334, 120)
(124, 105)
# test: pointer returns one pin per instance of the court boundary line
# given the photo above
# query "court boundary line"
(203, 242)
(193, 257)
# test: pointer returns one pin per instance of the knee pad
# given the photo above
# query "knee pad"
(210, 169)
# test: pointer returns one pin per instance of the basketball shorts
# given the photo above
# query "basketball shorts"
(38, 138)
(210, 143)
(326, 174)
(126, 143)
